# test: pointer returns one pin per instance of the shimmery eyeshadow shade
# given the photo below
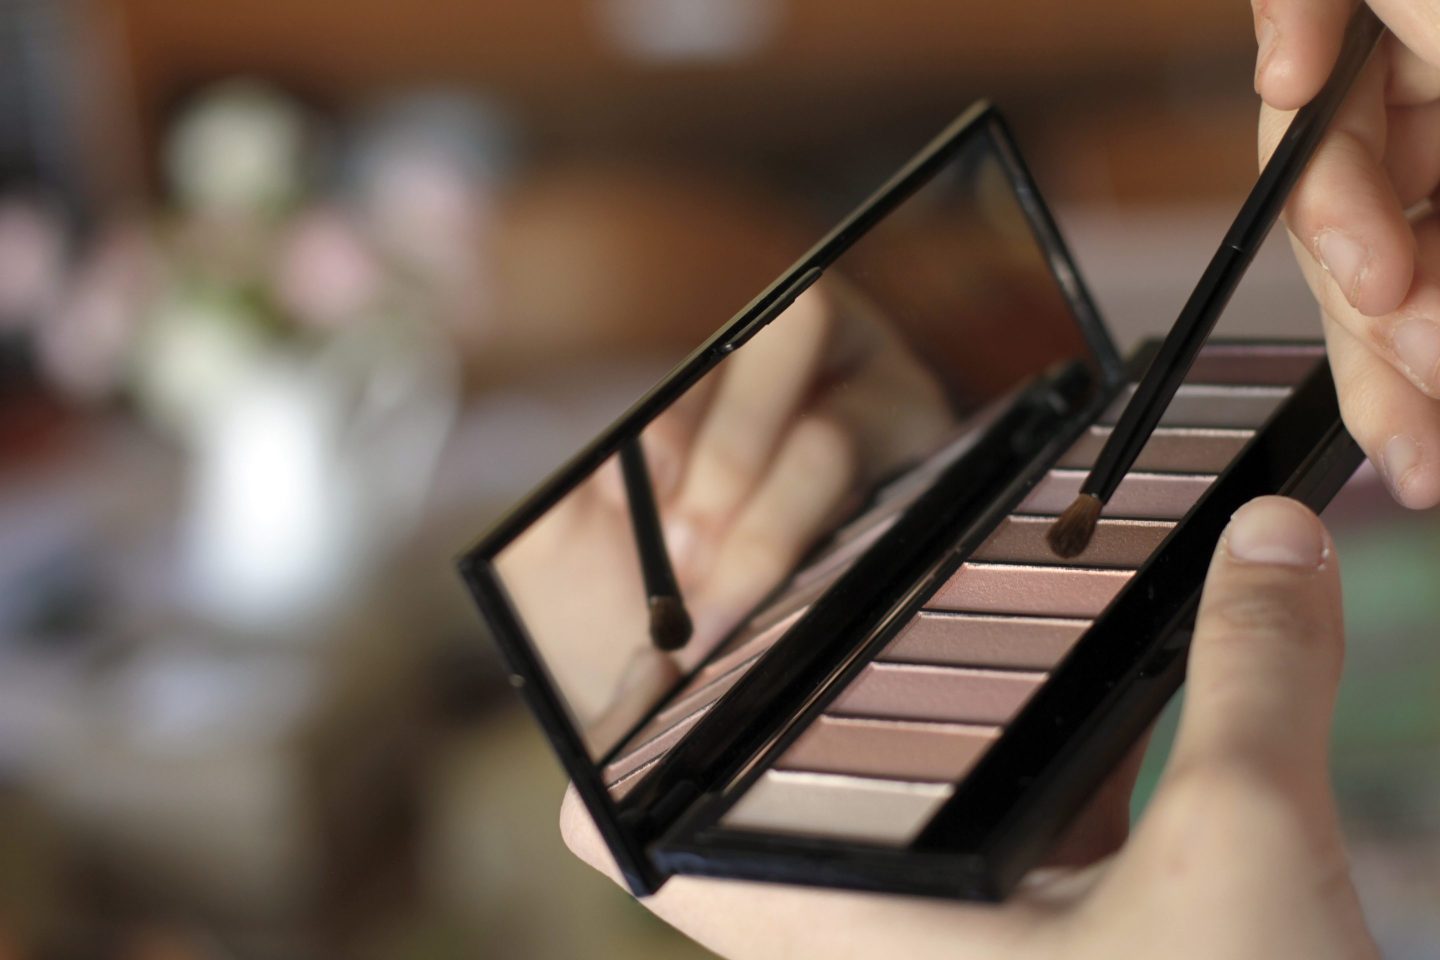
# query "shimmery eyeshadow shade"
(696, 694)
(1041, 591)
(900, 691)
(747, 644)
(899, 750)
(1170, 450)
(1116, 543)
(1203, 405)
(976, 640)
(651, 749)
(846, 808)
(842, 552)
(1140, 496)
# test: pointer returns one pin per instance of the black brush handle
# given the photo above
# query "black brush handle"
(645, 522)
(1262, 208)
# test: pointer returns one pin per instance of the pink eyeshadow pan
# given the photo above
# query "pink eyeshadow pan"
(1140, 496)
(900, 691)
(973, 640)
(1040, 591)
(902, 750)
(1116, 543)
(1170, 450)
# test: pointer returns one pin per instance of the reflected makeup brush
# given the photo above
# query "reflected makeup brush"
(670, 626)
(1071, 532)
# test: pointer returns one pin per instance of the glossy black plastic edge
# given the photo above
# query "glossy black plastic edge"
(527, 673)
(1009, 809)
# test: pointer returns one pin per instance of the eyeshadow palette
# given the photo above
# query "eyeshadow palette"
(794, 617)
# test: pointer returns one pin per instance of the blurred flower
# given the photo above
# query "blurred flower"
(240, 148)
(83, 345)
(326, 274)
(32, 248)
(197, 351)
(425, 172)
(679, 30)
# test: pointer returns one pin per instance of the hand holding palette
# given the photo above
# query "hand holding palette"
(887, 681)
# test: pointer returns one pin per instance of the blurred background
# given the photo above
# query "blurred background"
(295, 298)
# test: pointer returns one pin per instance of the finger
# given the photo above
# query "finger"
(1412, 152)
(1297, 44)
(1407, 338)
(1413, 79)
(1412, 25)
(1265, 659)
(1344, 210)
(809, 480)
(1397, 426)
(756, 399)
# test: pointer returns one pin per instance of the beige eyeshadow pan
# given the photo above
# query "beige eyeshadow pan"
(842, 807)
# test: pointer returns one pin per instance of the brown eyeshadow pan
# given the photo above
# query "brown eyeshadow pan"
(1170, 449)
(1207, 405)
(897, 749)
(1269, 364)
(1116, 543)
(1140, 496)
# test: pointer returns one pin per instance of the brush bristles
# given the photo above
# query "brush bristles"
(670, 625)
(1070, 534)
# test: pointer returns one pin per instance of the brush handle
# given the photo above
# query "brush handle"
(1261, 209)
(655, 565)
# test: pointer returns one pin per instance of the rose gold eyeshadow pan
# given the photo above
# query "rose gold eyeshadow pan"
(925, 699)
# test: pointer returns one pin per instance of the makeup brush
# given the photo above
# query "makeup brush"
(1071, 532)
(670, 626)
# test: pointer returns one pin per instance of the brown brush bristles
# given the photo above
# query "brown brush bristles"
(1070, 534)
(670, 625)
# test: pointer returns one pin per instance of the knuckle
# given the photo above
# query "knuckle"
(1265, 615)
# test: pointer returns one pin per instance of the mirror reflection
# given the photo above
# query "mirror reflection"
(782, 464)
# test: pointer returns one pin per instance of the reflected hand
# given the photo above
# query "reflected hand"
(749, 467)
(1239, 854)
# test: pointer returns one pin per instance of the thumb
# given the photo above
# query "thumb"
(1266, 656)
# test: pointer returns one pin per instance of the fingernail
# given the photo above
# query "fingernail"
(1397, 462)
(1266, 38)
(1344, 259)
(1416, 342)
(1274, 530)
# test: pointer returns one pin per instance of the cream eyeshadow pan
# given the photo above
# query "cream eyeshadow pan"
(888, 749)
